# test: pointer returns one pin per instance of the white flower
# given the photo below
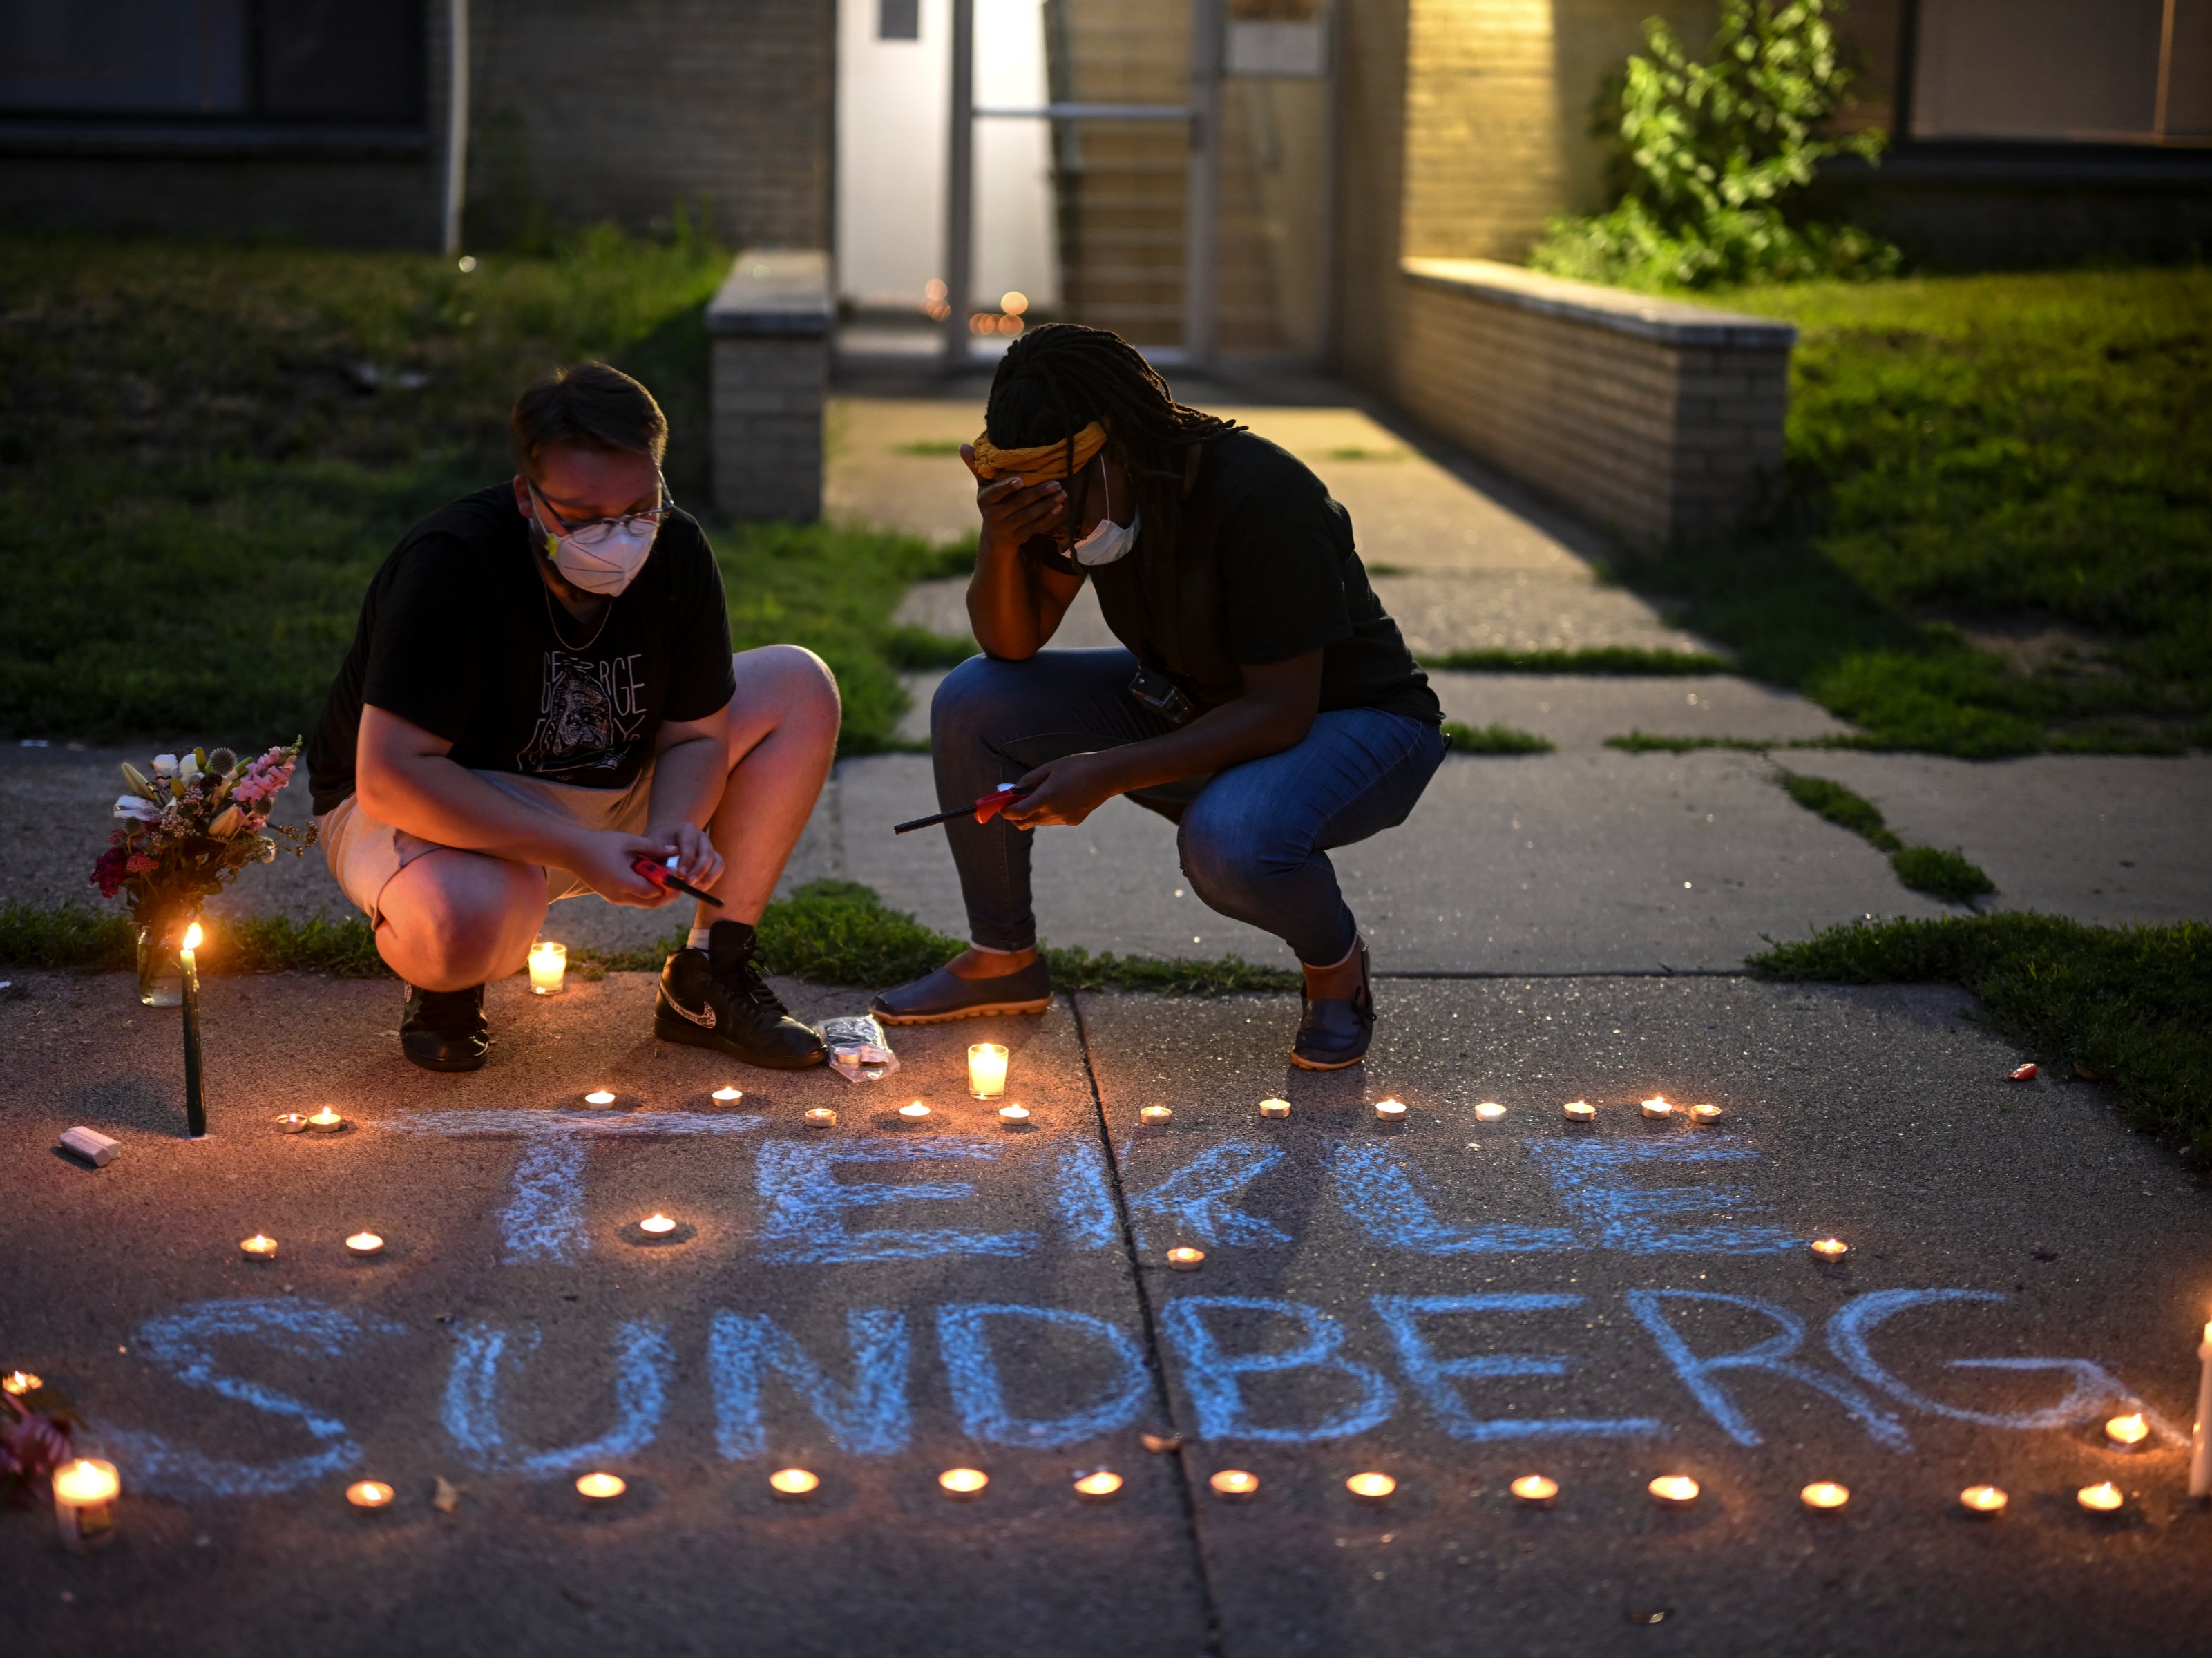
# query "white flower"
(164, 764)
(188, 767)
(130, 805)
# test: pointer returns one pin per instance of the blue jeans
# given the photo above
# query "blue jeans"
(1253, 839)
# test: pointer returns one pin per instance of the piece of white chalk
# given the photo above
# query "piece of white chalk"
(95, 1149)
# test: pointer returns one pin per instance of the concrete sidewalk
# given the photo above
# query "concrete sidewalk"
(1455, 1302)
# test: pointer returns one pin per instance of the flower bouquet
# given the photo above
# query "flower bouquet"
(185, 832)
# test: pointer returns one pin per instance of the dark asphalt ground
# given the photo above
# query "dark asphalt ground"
(1650, 1309)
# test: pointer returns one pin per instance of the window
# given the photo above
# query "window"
(898, 20)
(2078, 71)
(294, 61)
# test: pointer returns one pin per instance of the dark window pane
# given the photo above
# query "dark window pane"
(898, 20)
(2037, 69)
(123, 57)
(341, 60)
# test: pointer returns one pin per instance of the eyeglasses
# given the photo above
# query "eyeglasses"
(597, 532)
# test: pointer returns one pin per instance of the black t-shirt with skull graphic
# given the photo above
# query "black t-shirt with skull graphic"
(458, 635)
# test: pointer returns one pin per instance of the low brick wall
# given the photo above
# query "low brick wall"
(1658, 419)
(769, 330)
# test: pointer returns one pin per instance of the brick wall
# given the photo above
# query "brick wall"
(769, 328)
(581, 110)
(614, 109)
(1658, 419)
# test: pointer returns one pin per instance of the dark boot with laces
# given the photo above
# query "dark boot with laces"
(716, 998)
(445, 1029)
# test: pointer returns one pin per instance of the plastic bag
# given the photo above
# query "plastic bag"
(859, 1050)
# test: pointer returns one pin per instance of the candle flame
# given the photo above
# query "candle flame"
(368, 1494)
(1983, 1499)
(1830, 1247)
(1825, 1494)
(795, 1482)
(1371, 1487)
(599, 1096)
(1490, 1111)
(1235, 1482)
(1103, 1484)
(602, 1485)
(364, 1242)
(2102, 1497)
(1534, 1488)
(964, 1482)
(913, 1113)
(20, 1382)
(85, 1481)
(1674, 1488)
(656, 1222)
(2127, 1430)
(193, 936)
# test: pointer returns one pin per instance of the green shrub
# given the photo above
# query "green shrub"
(1711, 154)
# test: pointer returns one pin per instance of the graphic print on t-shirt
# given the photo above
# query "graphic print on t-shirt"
(589, 715)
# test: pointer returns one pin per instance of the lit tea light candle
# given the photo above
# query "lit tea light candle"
(963, 1485)
(369, 1494)
(820, 1116)
(293, 1122)
(1489, 1111)
(1372, 1488)
(1705, 1114)
(2103, 1497)
(1101, 1486)
(258, 1247)
(656, 1225)
(549, 966)
(1389, 1111)
(1659, 1109)
(1186, 1260)
(1153, 1116)
(84, 1503)
(1532, 1491)
(726, 1096)
(1015, 1114)
(598, 1490)
(364, 1243)
(1825, 1495)
(2127, 1431)
(1274, 1107)
(1579, 1111)
(20, 1383)
(325, 1121)
(1983, 1502)
(1674, 1490)
(601, 1096)
(1829, 1249)
(1234, 1485)
(793, 1484)
(913, 1113)
(987, 1070)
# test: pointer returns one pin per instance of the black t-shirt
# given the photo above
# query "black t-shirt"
(458, 635)
(1262, 570)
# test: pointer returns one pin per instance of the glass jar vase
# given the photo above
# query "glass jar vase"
(160, 975)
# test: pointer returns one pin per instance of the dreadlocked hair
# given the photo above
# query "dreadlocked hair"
(1056, 380)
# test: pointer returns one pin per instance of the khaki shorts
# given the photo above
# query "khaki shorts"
(364, 855)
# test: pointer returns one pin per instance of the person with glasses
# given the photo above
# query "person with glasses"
(540, 699)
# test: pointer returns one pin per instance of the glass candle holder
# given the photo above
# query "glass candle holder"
(987, 1070)
(548, 967)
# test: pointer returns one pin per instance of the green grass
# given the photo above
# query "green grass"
(1640, 742)
(2124, 1003)
(1495, 739)
(196, 486)
(1615, 659)
(836, 932)
(1978, 454)
(1946, 875)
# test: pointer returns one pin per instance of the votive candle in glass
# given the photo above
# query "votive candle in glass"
(84, 1503)
(987, 1070)
(548, 967)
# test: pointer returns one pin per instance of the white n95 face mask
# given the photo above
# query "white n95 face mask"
(604, 556)
(1108, 540)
